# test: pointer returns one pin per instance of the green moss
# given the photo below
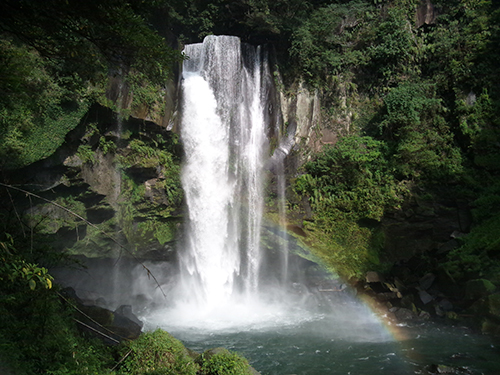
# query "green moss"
(96, 243)
(143, 221)
(223, 362)
(48, 218)
(158, 353)
(145, 155)
(161, 231)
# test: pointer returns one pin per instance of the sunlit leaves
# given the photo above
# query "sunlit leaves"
(14, 269)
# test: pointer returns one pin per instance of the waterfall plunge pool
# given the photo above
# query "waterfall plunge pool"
(346, 338)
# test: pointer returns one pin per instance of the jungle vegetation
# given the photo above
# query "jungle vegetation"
(424, 98)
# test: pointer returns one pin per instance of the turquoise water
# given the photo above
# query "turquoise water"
(324, 345)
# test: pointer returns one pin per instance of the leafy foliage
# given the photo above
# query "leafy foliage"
(478, 254)
(36, 112)
(391, 47)
(254, 21)
(37, 334)
(422, 141)
(18, 272)
(327, 43)
(425, 94)
(354, 176)
(86, 37)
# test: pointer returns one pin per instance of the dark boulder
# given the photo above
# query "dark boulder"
(112, 327)
(402, 314)
(126, 311)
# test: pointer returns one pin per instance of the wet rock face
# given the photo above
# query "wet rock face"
(113, 174)
(486, 313)
(444, 369)
(93, 318)
(102, 176)
(407, 296)
(419, 238)
(161, 112)
(426, 14)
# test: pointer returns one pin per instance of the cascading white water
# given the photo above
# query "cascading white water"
(224, 139)
(224, 84)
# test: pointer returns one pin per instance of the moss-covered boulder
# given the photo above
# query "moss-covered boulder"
(157, 352)
(220, 361)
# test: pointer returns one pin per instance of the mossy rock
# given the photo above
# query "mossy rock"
(157, 352)
(104, 324)
(220, 361)
(478, 288)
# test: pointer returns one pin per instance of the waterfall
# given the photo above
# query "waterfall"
(226, 283)
(224, 137)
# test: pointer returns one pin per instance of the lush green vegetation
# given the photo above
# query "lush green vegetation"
(346, 185)
(426, 116)
(55, 58)
(33, 105)
(40, 335)
(37, 333)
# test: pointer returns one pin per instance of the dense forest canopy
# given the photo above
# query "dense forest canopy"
(415, 80)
